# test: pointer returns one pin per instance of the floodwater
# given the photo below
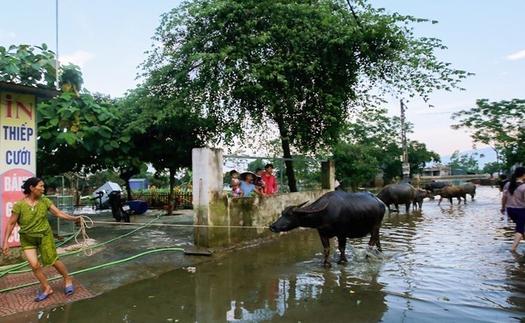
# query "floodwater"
(442, 264)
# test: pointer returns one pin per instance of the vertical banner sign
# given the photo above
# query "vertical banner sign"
(17, 153)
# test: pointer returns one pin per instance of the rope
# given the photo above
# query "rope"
(186, 225)
(85, 223)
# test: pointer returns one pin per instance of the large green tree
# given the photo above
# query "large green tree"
(28, 65)
(302, 65)
(467, 162)
(77, 131)
(372, 144)
(164, 130)
(498, 125)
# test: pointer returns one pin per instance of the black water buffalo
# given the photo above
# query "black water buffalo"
(419, 196)
(449, 192)
(336, 214)
(397, 194)
(470, 188)
(436, 185)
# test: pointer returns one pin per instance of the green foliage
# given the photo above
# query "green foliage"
(80, 134)
(257, 163)
(299, 65)
(466, 162)
(157, 179)
(373, 145)
(419, 156)
(28, 65)
(491, 168)
(163, 128)
(71, 77)
(355, 164)
(98, 179)
(498, 125)
(77, 132)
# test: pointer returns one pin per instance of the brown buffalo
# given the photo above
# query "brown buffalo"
(449, 192)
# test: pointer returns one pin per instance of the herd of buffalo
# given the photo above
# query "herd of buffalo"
(355, 215)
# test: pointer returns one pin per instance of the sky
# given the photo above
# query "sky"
(108, 40)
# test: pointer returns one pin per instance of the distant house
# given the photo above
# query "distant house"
(437, 170)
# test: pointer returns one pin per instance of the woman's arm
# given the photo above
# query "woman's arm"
(8, 230)
(63, 215)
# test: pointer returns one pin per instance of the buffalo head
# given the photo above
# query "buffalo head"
(295, 216)
(289, 219)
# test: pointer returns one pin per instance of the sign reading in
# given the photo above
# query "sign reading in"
(17, 152)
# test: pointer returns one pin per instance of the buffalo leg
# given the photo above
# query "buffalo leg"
(342, 247)
(326, 245)
(374, 239)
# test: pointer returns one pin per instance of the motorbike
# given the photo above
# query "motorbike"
(119, 208)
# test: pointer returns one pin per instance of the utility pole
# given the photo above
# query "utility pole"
(406, 165)
(57, 64)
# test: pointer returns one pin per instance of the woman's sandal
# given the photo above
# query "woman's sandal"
(42, 297)
(69, 290)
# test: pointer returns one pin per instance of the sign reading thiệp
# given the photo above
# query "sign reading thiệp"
(17, 152)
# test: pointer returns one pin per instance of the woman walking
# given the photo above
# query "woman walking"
(35, 234)
(513, 201)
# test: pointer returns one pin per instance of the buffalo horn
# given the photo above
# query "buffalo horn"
(311, 209)
(300, 205)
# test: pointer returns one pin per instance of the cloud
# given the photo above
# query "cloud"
(78, 58)
(515, 56)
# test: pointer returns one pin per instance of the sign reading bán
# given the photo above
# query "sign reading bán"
(17, 152)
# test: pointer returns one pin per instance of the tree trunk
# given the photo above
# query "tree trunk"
(285, 142)
(289, 165)
(126, 176)
(170, 195)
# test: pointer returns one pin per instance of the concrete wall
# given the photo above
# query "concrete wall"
(234, 220)
(222, 221)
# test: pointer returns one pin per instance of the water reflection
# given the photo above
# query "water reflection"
(259, 291)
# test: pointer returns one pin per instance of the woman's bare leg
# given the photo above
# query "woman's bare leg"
(32, 258)
(517, 240)
(61, 268)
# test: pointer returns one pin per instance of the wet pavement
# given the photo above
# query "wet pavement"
(119, 254)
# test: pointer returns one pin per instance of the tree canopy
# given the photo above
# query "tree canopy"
(371, 145)
(302, 65)
(77, 131)
(498, 125)
(466, 162)
(28, 65)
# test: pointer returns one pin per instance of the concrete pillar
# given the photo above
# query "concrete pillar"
(328, 175)
(208, 200)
